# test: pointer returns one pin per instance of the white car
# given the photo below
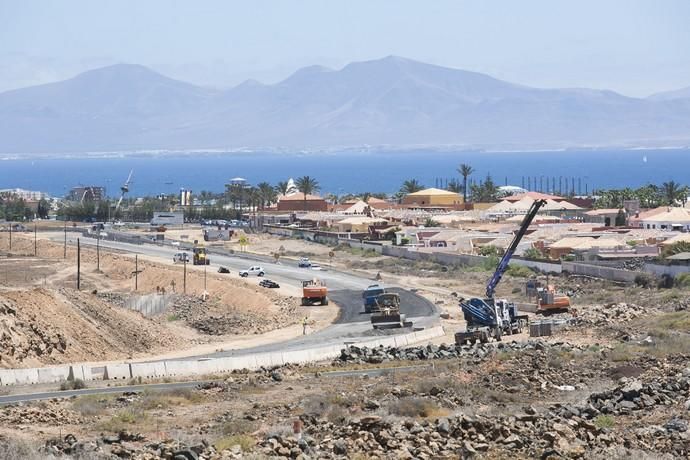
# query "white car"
(314, 266)
(255, 270)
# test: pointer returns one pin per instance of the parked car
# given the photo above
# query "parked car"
(223, 270)
(269, 284)
(255, 270)
(304, 262)
(181, 257)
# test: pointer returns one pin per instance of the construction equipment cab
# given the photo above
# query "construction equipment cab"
(369, 295)
(314, 291)
(201, 256)
(386, 312)
(549, 301)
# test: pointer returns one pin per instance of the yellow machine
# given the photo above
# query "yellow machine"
(200, 256)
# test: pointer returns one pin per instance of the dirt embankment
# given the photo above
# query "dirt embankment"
(45, 320)
(43, 326)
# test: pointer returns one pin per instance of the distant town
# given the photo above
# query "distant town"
(464, 215)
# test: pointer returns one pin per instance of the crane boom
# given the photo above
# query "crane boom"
(503, 263)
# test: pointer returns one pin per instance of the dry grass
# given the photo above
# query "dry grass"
(168, 398)
(245, 442)
(124, 420)
(91, 405)
(416, 407)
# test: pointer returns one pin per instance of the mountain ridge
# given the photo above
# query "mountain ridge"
(391, 101)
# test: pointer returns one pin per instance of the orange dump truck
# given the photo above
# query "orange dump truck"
(314, 291)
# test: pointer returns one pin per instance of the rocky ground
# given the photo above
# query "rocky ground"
(537, 399)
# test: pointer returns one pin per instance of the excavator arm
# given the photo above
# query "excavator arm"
(503, 263)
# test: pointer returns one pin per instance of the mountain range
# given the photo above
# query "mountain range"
(387, 103)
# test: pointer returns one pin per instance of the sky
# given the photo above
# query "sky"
(635, 47)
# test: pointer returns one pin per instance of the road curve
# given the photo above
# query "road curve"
(344, 289)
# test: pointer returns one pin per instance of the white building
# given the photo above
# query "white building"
(29, 195)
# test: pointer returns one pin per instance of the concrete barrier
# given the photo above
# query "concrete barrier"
(53, 374)
(148, 370)
(25, 376)
(126, 371)
(7, 377)
(181, 368)
(117, 372)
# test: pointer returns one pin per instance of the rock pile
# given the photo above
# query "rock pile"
(477, 351)
(41, 414)
(560, 431)
(609, 314)
(212, 318)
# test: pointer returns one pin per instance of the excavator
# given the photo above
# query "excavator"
(490, 317)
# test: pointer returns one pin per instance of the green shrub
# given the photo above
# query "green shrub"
(533, 254)
(682, 280)
(519, 271)
(604, 421)
(488, 250)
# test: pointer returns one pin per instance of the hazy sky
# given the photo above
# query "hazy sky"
(634, 47)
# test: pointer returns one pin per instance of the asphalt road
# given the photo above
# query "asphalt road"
(344, 290)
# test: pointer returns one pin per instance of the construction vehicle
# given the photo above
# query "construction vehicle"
(200, 256)
(314, 291)
(549, 301)
(369, 295)
(386, 312)
(489, 317)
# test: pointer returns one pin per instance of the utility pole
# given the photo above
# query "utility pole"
(64, 253)
(98, 250)
(136, 271)
(35, 241)
(10, 236)
(184, 276)
(204, 277)
(78, 265)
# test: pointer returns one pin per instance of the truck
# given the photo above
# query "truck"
(369, 296)
(215, 234)
(200, 256)
(386, 312)
(489, 317)
(314, 291)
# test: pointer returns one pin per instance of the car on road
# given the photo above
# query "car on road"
(255, 270)
(269, 284)
(304, 262)
(316, 267)
(181, 257)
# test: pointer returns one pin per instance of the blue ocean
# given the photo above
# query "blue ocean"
(353, 172)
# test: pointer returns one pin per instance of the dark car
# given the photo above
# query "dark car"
(223, 270)
(269, 284)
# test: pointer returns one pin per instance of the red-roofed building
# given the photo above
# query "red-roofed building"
(296, 202)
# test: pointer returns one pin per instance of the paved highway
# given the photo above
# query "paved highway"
(344, 289)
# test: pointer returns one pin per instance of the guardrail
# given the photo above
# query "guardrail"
(183, 368)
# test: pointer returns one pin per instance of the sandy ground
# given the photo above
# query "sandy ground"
(41, 293)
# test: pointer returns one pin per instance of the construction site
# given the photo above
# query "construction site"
(351, 356)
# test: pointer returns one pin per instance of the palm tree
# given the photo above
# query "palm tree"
(671, 191)
(454, 186)
(267, 194)
(465, 171)
(411, 186)
(282, 188)
(307, 185)
(365, 196)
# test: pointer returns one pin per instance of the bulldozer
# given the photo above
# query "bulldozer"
(386, 312)
(549, 301)
(200, 256)
(314, 291)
